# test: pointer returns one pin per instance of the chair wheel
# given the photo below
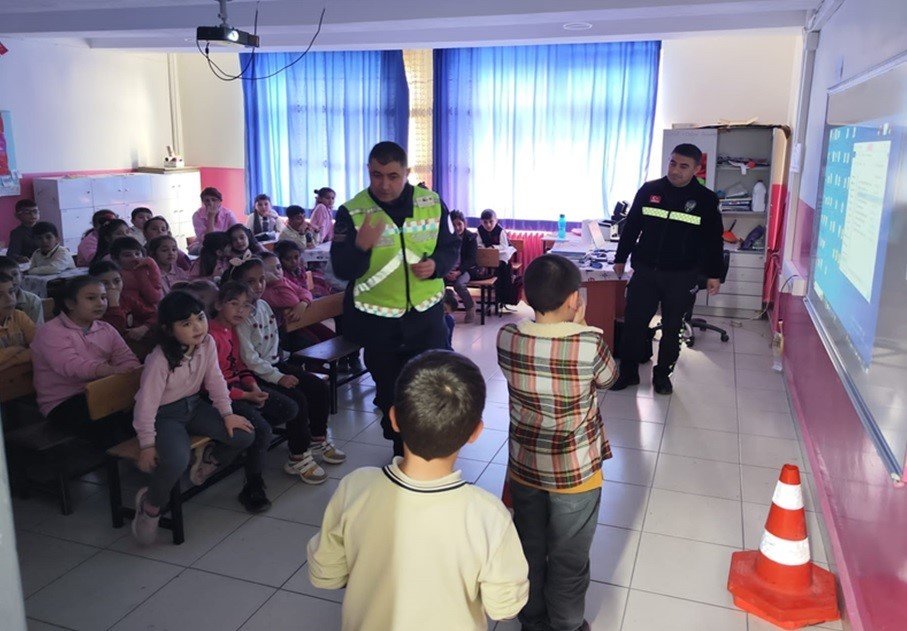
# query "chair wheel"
(690, 342)
(725, 337)
(702, 328)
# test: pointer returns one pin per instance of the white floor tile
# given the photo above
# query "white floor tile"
(360, 455)
(496, 416)
(286, 610)
(304, 503)
(470, 470)
(373, 434)
(44, 559)
(703, 415)
(492, 479)
(198, 600)
(37, 625)
(775, 424)
(300, 584)
(99, 591)
(700, 443)
(757, 624)
(225, 493)
(754, 401)
(612, 555)
(623, 505)
(605, 606)
(496, 392)
(346, 424)
(699, 477)
(692, 570)
(761, 379)
(648, 612)
(486, 446)
(623, 406)
(765, 451)
(633, 434)
(631, 466)
(708, 519)
(88, 524)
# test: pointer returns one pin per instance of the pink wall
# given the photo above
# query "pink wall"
(865, 515)
(232, 185)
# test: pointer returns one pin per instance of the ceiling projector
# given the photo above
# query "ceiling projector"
(225, 34)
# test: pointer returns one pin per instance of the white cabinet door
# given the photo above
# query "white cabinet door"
(63, 192)
(108, 190)
(137, 188)
(74, 222)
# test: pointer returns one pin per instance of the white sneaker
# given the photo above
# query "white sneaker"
(328, 452)
(144, 526)
(470, 316)
(203, 464)
(307, 469)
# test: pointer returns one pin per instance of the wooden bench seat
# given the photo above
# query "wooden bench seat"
(324, 357)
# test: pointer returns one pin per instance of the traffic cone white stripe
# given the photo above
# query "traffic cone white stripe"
(784, 551)
(788, 496)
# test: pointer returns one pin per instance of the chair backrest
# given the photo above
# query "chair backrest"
(47, 306)
(321, 309)
(487, 257)
(115, 393)
(16, 381)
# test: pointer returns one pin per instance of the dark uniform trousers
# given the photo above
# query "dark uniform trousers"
(649, 287)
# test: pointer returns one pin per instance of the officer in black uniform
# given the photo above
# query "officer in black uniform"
(678, 226)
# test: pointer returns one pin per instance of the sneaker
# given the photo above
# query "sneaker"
(328, 452)
(203, 464)
(627, 376)
(662, 383)
(253, 497)
(470, 316)
(307, 469)
(144, 526)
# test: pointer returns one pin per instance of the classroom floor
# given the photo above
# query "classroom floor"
(690, 482)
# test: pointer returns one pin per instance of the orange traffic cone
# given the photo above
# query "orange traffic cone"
(778, 582)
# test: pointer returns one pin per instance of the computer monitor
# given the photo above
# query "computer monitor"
(592, 234)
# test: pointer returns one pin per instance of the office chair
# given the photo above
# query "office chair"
(689, 322)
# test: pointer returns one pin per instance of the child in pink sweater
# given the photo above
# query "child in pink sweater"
(163, 251)
(142, 286)
(169, 408)
(73, 349)
(289, 301)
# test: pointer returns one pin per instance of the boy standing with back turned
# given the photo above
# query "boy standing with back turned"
(416, 546)
(553, 366)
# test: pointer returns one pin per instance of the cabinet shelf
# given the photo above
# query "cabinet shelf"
(743, 213)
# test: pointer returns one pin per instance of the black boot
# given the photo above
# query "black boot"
(661, 381)
(628, 375)
(253, 497)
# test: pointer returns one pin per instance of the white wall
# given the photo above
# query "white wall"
(212, 111)
(74, 108)
(705, 79)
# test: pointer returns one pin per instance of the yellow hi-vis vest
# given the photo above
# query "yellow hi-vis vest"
(389, 288)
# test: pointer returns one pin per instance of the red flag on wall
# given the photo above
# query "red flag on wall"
(3, 49)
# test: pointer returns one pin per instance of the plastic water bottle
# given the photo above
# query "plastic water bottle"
(759, 193)
(562, 227)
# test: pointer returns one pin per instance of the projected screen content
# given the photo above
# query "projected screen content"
(858, 284)
(856, 206)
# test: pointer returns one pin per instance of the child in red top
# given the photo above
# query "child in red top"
(142, 288)
(289, 301)
(262, 409)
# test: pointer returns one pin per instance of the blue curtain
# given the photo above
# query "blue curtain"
(313, 124)
(535, 131)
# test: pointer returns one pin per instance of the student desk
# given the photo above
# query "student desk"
(38, 284)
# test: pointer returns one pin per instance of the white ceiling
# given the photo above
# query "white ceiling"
(375, 24)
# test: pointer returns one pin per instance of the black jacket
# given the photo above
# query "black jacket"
(415, 330)
(469, 248)
(678, 229)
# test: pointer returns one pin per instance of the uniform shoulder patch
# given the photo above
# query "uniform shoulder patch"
(654, 199)
(690, 206)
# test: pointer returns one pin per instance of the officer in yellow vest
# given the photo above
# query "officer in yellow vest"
(394, 243)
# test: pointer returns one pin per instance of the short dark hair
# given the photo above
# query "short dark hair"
(488, 214)
(124, 244)
(457, 215)
(102, 267)
(294, 210)
(282, 248)
(386, 152)
(24, 203)
(550, 279)
(438, 400)
(176, 306)
(324, 190)
(688, 150)
(5, 278)
(210, 191)
(233, 289)
(141, 209)
(45, 227)
(267, 254)
(261, 197)
(7, 262)
(71, 289)
(155, 244)
(235, 272)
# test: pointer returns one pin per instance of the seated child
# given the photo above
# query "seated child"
(16, 329)
(289, 301)
(51, 257)
(169, 408)
(213, 256)
(89, 243)
(260, 350)
(158, 227)
(553, 366)
(204, 290)
(22, 241)
(450, 305)
(164, 251)
(262, 409)
(142, 289)
(119, 313)
(107, 234)
(264, 222)
(242, 244)
(297, 229)
(492, 235)
(26, 301)
(73, 349)
(322, 219)
(413, 543)
(140, 217)
(464, 270)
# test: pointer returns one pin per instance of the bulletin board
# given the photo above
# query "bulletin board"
(9, 172)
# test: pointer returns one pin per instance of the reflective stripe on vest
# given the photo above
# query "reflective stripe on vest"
(673, 215)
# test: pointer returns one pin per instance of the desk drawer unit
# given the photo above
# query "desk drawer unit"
(741, 293)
